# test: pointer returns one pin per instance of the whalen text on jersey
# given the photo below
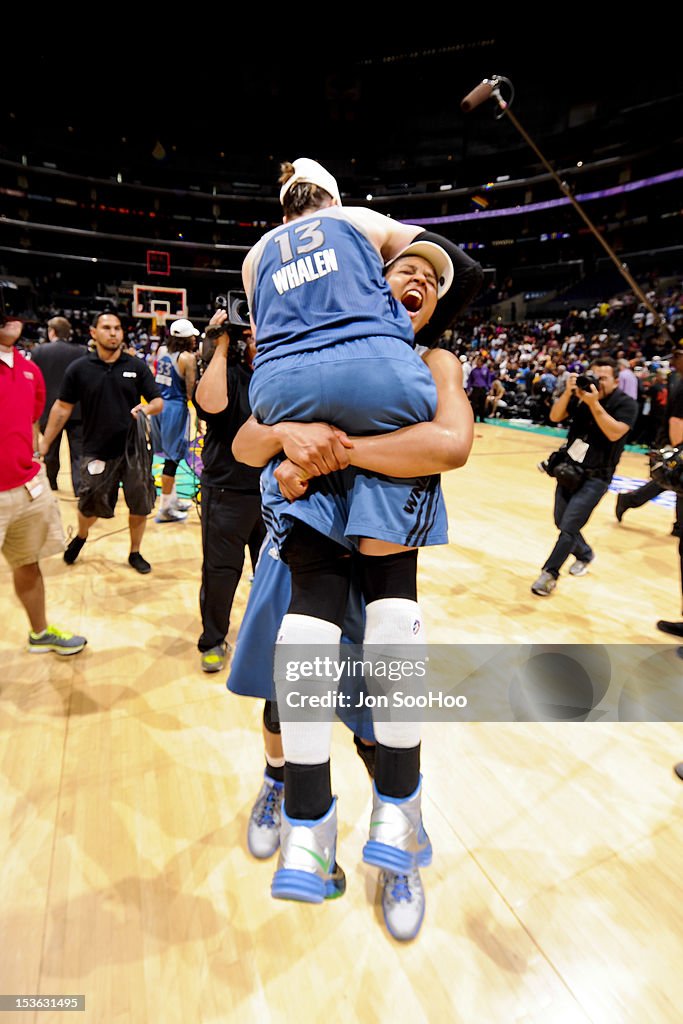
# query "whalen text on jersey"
(293, 275)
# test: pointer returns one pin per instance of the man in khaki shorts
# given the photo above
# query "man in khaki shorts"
(30, 526)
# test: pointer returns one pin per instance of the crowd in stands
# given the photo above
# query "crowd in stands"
(523, 366)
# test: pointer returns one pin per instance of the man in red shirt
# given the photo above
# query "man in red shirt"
(30, 526)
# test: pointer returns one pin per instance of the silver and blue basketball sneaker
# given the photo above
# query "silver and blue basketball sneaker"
(263, 830)
(399, 845)
(403, 903)
(398, 841)
(308, 869)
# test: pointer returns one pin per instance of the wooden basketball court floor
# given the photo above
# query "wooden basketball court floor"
(127, 776)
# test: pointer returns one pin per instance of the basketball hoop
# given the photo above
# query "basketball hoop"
(159, 320)
(159, 305)
(161, 309)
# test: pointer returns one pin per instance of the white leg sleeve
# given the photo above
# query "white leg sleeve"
(394, 622)
(303, 742)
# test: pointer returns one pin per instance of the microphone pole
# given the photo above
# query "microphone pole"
(490, 87)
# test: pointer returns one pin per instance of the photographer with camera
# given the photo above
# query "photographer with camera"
(231, 499)
(601, 417)
(670, 476)
(650, 490)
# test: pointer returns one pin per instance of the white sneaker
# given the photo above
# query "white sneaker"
(170, 515)
(544, 585)
(403, 903)
(263, 831)
(580, 568)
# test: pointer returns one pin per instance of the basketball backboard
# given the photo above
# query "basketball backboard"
(153, 302)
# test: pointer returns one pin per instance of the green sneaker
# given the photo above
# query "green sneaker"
(214, 659)
(56, 640)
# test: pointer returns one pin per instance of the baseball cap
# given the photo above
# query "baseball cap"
(184, 329)
(312, 173)
(435, 255)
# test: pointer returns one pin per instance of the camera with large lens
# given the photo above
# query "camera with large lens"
(17, 301)
(666, 467)
(584, 381)
(236, 306)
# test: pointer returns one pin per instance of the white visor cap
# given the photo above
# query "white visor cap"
(435, 255)
(312, 173)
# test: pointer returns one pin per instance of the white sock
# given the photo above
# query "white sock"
(394, 622)
(304, 742)
(166, 502)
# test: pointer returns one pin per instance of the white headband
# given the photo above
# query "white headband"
(313, 173)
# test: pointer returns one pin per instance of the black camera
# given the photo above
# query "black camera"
(666, 468)
(17, 301)
(236, 306)
(560, 465)
(584, 381)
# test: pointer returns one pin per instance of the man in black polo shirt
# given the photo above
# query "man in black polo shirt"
(109, 384)
(231, 500)
(601, 418)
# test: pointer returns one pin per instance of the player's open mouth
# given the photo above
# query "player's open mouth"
(412, 300)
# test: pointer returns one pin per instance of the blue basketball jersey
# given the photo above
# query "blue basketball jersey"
(171, 384)
(317, 282)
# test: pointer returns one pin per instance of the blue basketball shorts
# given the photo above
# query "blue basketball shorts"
(353, 503)
(174, 424)
(364, 386)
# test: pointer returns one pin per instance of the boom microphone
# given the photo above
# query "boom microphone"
(480, 93)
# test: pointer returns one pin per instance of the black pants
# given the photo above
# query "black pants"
(231, 520)
(74, 435)
(648, 491)
(478, 403)
(572, 512)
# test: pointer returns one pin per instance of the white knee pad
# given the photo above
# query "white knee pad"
(394, 622)
(303, 742)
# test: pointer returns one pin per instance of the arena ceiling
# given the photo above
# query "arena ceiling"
(386, 111)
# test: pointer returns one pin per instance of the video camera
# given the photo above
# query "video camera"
(666, 467)
(236, 306)
(16, 302)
